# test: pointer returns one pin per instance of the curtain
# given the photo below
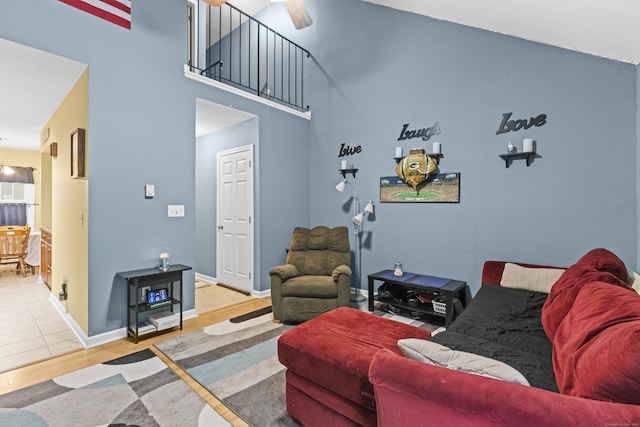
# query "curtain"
(13, 214)
(24, 175)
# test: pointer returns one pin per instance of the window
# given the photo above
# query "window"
(18, 192)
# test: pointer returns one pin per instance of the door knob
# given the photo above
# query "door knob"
(220, 227)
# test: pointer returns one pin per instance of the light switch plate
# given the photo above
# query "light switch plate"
(149, 191)
(175, 211)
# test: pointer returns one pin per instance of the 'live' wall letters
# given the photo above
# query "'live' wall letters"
(515, 125)
(345, 150)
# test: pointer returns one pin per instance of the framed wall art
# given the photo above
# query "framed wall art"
(77, 153)
(437, 188)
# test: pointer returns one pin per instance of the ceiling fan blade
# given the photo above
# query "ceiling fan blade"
(298, 13)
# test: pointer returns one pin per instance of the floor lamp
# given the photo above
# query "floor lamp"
(358, 218)
(357, 227)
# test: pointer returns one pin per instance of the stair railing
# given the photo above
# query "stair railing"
(247, 54)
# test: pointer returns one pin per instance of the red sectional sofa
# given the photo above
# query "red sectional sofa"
(327, 360)
(576, 342)
(586, 374)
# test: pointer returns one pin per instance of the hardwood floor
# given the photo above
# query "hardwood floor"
(42, 371)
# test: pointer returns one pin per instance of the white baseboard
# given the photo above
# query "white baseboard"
(257, 294)
(117, 334)
(106, 337)
(75, 328)
(206, 278)
(261, 294)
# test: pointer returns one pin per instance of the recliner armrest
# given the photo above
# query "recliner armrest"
(341, 269)
(285, 271)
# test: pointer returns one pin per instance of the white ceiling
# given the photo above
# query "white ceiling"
(211, 117)
(609, 29)
(33, 83)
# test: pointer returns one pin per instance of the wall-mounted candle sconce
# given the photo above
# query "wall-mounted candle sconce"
(436, 153)
(528, 152)
(346, 168)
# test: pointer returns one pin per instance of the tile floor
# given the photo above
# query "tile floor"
(30, 328)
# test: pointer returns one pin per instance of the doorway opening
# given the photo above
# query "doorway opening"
(36, 330)
(226, 139)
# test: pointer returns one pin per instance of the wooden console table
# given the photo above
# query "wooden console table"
(449, 289)
(153, 279)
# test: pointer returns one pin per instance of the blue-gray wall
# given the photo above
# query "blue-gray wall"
(364, 82)
(142, 115)
(369, 80)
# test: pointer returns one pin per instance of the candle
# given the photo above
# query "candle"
(397, 269)
(437, 147)
(527, 145)
(398, 152)
(343, 164)
(164, 261)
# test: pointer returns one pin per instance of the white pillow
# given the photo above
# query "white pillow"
(532, 279)
(440, 355)
(634, 282)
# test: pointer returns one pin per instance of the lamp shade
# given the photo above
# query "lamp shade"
(369, 207)
(357, 220)
(216, 3)
(341, 185)
(7, 170)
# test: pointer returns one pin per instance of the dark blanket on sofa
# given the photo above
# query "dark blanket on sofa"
(505, 324)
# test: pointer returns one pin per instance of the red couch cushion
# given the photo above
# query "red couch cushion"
(595, 347)
(334, 350)
(564, 292)
(410, 393)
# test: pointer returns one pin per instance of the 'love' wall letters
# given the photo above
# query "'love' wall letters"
(515, 125)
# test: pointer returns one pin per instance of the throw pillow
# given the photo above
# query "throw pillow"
(594, 346)
(634, 282)
(439, 355)
(531, 279)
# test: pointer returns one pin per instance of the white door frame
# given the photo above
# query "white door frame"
(244, 280)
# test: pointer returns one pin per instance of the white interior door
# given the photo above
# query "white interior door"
(234, 239)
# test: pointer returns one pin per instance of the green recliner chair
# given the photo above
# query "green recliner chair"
(316, 277)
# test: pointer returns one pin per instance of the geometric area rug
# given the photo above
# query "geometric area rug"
(238, 364)
(134, 390)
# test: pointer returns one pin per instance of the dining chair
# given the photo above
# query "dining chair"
(14, 240)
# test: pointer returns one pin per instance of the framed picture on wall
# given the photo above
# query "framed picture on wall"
(438, 188)
(77, 153)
